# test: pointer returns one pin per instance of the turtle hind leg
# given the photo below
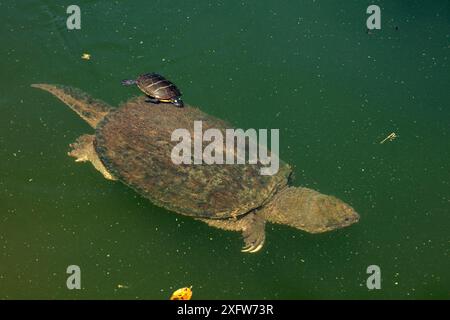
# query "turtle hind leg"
(83, 150)
(128, 82)
(252, 226)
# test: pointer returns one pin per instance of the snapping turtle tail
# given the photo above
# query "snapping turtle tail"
(89, 109)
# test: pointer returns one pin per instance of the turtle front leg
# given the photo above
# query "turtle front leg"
(252, 226)
(83, 150)
(254, 233)
(151, 99)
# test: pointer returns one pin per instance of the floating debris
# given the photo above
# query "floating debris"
(86, 56)
(182, 294)
(390, 137)
(122, 286)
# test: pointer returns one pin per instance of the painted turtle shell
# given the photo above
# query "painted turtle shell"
(156, 86)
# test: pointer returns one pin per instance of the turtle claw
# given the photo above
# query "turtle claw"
(253, 248)
(80, 149)
(254, 235)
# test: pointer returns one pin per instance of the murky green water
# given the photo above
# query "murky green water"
(306, 67)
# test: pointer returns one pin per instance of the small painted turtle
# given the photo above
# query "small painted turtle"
(157, 88)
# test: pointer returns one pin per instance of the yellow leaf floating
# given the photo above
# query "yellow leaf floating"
(182, 294)
(86, 56)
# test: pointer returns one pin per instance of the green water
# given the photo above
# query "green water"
(308, 68)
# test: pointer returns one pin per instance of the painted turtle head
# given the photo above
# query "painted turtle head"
(178, 102)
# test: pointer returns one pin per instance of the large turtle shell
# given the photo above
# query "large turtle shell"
(155, 85)
(134, 143)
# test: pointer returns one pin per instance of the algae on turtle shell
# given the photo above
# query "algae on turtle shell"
(133, 144)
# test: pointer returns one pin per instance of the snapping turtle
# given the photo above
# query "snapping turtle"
(133, 144)
(157, 88)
